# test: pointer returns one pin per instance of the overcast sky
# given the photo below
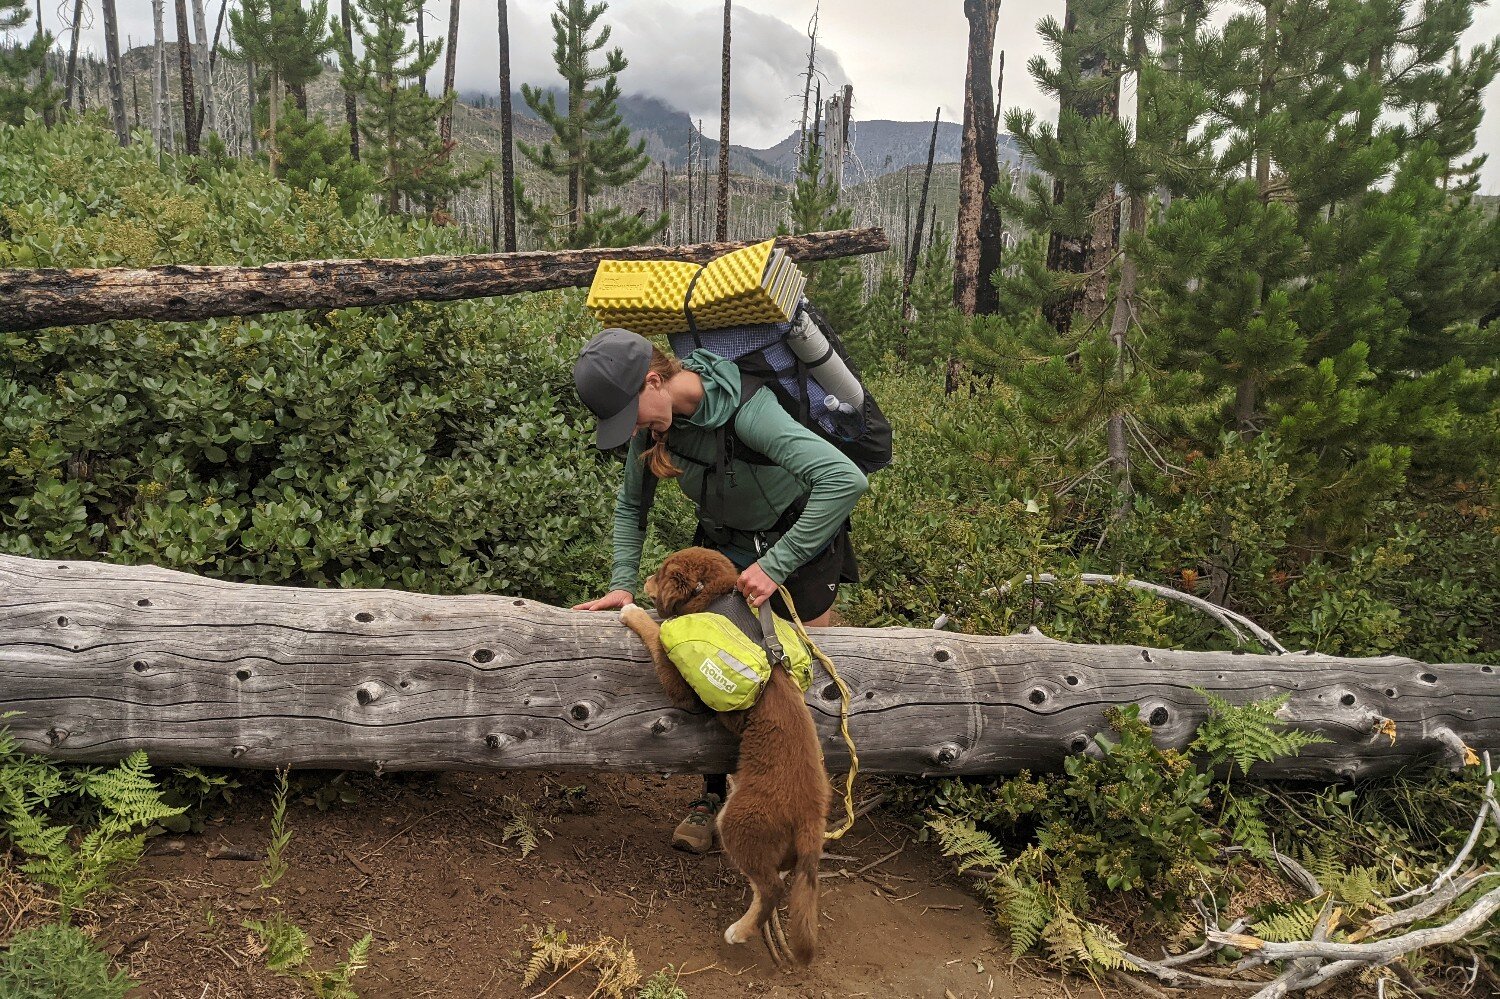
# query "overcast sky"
(904, 58)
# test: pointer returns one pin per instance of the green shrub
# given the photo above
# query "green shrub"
(57, 960)
(978, 498)
(436, 448)
(1130, 818)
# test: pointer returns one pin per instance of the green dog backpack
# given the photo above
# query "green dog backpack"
(724, 666)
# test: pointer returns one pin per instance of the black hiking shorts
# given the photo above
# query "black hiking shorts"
(815, 586)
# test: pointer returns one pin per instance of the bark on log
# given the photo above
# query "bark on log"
(102, 659)
(37, 298)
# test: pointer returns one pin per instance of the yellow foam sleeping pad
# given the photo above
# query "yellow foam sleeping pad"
(752, 286)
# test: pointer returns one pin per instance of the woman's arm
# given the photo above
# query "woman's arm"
(834, 483)
(628, 537)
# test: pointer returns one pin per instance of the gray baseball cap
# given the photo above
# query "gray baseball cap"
(609, 375)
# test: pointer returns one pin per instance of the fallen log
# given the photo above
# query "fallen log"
(54, 296)
(104, 659)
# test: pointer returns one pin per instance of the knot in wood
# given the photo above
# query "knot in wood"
(237, 751)
(496, 741)
(368, 694)
(948, 754)
(662, 725)
(57, 736)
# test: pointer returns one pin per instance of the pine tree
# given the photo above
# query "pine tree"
(286, 43)
(1081, 231)
(18, 94)
(399, 129)
(835, 287)
(1071, 343)
(351, 104)
(311, 151)
(590, 147)
(1334, 298)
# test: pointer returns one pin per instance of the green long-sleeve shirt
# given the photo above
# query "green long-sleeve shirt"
(755, 496)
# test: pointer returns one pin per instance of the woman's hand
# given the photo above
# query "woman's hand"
(613, 600)
(756, 585)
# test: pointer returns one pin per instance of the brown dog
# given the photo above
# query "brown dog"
(777, 810)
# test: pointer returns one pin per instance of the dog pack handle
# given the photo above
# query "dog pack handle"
(775, 654)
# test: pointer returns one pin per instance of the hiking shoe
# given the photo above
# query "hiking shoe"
(695, 834)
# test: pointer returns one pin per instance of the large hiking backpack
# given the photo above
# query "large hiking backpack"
(764, 356)
(763, 353)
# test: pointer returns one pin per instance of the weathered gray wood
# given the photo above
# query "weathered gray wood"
(104, 659)
(51, 296)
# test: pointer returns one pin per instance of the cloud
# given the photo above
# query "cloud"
(673, 52)
(673, 55)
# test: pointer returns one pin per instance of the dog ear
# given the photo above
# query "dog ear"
(671, 586)
(682, 577)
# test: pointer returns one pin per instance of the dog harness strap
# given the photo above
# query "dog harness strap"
(775, 655)
(732, 605)
(759, 628)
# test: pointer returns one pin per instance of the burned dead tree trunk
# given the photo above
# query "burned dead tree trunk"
(42, 297)
(99, 660)
(977, 239)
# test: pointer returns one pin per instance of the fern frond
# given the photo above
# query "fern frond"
(1247, 827)
(970, 845)
(1064, 937)
(286, 944)
(1023, 909)
(1249, 733)
(550, 951)
(1323, 862)
(1359, 887)
(1105, 949)
(521, 828)
(339, 983)
(128, 790)
(1288, 921)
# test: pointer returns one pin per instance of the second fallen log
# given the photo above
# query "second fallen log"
(42, 297)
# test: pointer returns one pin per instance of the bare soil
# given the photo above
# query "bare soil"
(418, 861)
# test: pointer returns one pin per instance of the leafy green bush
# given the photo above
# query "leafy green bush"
(424, 447)
(48, 962)
(978, 498)
(1132, 817)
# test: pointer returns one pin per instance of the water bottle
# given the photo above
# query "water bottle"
(824, 364)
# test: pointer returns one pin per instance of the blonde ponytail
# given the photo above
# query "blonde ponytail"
(657, 458)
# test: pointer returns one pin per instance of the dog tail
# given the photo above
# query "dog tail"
(802, 904)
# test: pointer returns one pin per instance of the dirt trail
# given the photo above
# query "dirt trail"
(418, 861)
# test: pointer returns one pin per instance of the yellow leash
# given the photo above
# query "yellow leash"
(843, 716)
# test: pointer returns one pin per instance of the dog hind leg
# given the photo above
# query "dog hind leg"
(765, 896)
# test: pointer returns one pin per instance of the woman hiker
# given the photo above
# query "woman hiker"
(780, 517)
